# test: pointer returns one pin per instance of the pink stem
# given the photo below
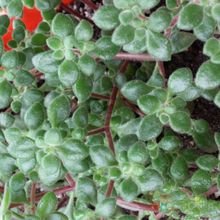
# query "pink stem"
(96, 131)
(160, 215)
(33, 197)
(137, 206)
(110, 189)
(211, 191)
(110, 140)
(111, 106)
(70, 180)
(173, 23)
(134, 57)
(133, 107)
(99, 96)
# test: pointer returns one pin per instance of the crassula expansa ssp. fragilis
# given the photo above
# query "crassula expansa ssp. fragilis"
(93, 125)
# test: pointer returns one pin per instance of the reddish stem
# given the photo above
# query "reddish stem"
(173, 23)
(90, 4)
(137, 206)
(58, 191)
(96, 131)
(74, 105)
(211, 191)
(110, 188)
(33, 197)
(62, 202)
(133, 107)
(126, 56)
(110, 140)
(134, 57)
(111, 106)
(70, 180)
(99, 96)
(160, 215)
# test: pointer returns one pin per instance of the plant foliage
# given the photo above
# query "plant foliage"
(91, 123)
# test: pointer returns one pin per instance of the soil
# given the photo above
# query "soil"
(193, 58)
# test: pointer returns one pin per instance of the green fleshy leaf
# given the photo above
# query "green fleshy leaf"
(181, 41)
(23, 78)
(211, 47)
(10, 59)
(149, 104)
(106, 208)
(217, 99)
(34, 117)
(215, 12)
(201, 181)
(83, 88)
(87, 64)
(84, 31)
(6, 119)
(80, 117)
(169, 143)
(45, 63)
(101, 156)
(58, 110)
(68, 72)
(24, 147)
(180, 122)
(62, 25)
(47, 205)
(126, 17)
(14, 8)
(134, 89)
(53, 137)
(180, 80)
(151, 180)
(158, 46)
(207, 162)
(105, 49)
(205, 29)
(45, 5)
(146, 5)
(128, 190)
(54, 43)
(5, 94)
(159, 20)
(123, 34)
(73, 149)
(191, 16)
(208, 76)
(179, 169)
(106, 17)
(123, 4)
(7, 167)
(137, 153)
(50, 170)
(150, 128)
(86, 189)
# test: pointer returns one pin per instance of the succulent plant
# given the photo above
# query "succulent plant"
(91, 123)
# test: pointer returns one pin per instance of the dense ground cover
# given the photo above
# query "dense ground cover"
(109, 109)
